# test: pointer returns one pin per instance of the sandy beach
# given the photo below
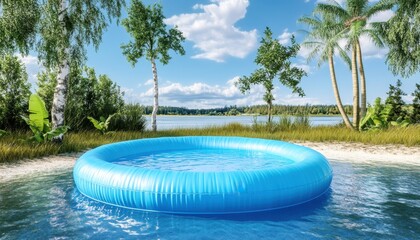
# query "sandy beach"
(346, 152)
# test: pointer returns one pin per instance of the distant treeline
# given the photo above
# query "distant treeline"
(257, 109)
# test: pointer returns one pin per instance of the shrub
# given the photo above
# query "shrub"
(129, 119)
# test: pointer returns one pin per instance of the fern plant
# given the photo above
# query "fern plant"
(38, 121)
(103, 124)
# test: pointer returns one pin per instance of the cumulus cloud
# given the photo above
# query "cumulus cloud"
(284, 38)
(213, 31)
(32, 67)
(303, 66)
(203, 95)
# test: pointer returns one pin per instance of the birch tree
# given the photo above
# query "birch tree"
(18, 23)
(66, 27)
(151, 39)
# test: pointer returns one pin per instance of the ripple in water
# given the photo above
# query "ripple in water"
(365, 202)
(205, 160)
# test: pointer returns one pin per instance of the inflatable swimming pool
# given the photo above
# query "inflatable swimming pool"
(202, 175)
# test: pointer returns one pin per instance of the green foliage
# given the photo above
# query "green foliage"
(323, 38)
(415, 116)
(3, 133)
(38, 121)
(151, 39)
(88, 94)
(46, 81)
(83, 23)
(402, 35)
(18, 23)
(38, 115)
(102, 124)
(130, 118)
(378, 117)
(274, 62)
(394, 99)
(14, 92)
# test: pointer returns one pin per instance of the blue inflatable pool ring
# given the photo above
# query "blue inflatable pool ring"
(202, 175)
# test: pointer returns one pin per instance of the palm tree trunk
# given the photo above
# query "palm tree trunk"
(59, 100)
(362, 81)
(355, 78)
(337, 93)
(155, 95)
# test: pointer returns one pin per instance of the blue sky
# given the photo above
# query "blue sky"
(222, 40)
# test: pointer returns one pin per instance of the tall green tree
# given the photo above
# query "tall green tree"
(151, 39)
(415, 116)
(66, 27)
(273, 60)
(14, 92)
(402, 36)
(354, 16)
(394, 99)
(18, 23)
(323, 38)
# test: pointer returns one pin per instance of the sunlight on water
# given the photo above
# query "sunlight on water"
(205, 160)
(365, 202)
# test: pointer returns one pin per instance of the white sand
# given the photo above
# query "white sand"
(368, 154)
(347, 152)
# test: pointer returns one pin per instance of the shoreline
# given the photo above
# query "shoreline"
(385, 155)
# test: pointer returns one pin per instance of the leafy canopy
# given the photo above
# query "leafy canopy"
(84, 22)
(14, 92)
(150, 36)
(18, 23)
(323, 38)
(402, 35)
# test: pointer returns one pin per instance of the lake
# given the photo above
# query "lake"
(183, 121)
(365, 202)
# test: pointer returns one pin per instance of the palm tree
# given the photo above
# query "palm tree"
(354, 16)
(323, 39)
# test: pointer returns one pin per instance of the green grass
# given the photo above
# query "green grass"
(13, 148)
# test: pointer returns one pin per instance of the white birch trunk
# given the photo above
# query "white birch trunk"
(155, 96)
(59, 100)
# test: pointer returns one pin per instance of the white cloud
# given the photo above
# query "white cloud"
(284, 38)
(32, 67)
(370, 50)
(302, 66)
(382, 16)
(149, 82)
(203, 95)
(213, 30)
(294, 99)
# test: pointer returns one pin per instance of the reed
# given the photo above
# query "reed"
(14, 147)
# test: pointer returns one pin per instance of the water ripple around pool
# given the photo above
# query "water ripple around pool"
(365, 202)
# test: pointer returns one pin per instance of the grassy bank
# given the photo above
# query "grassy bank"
(13, 148)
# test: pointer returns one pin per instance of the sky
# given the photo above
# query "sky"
(222, 38)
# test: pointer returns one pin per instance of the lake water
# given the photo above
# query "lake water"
(170, 122)
(365, 202)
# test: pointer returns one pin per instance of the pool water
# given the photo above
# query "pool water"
(365, 202)
(206, 160)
